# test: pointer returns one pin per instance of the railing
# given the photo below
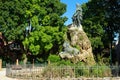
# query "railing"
(60, 72)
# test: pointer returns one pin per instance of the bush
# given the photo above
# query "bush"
(58, 71)
(89, 71)
(53, 58)
(81, 70)
(100, 71)
(64, 63)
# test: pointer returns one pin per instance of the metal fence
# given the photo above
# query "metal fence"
(32, 72)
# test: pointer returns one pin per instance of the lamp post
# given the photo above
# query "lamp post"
(111, 53)
(110, 30)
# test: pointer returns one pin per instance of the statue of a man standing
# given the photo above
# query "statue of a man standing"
(77, 16)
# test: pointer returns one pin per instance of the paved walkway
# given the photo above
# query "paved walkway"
(3, 75)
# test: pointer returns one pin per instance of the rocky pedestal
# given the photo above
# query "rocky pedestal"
(78, 39)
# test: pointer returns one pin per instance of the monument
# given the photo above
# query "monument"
(77, 46)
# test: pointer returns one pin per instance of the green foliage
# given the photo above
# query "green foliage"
(46, 29)
(53, 10)
(96, 42)
(93, 26)
(90, 71)
(43, 39)
(17, 15)
(102, 20)
(64, 63)
(82, 71)
(78, 47)
(25, 20)
(101, 23)
(53, 58)
(66, 68)
(101, 59)
(112, 15)
(12, 18)
(100, 70)
(34, 49)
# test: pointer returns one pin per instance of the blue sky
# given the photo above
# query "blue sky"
(71, 7)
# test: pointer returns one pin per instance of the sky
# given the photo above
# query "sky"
(71, 7)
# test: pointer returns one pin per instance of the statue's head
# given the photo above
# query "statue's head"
(77, 4)
(78, 7)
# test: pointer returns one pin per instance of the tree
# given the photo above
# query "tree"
(43, 41)
(20, 20)
(12, 18)
(112, 8)
(16, 15)
(112, 14)
(103, 19)
(92, 24)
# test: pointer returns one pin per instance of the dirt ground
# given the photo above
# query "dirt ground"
(3, 75)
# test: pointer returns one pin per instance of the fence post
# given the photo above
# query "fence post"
(33, 64)
(17, 62)
(0, 64)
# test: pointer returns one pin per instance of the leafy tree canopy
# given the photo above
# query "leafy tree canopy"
(38, 23)
(103, 18)
(92, 24)
(44, 40)
(101, 21)
(16, 15)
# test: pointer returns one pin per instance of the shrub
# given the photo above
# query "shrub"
(64, 63)
(53, 58)
(100, 71)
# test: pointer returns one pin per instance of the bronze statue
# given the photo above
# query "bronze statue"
(69, 51)
(77, 16)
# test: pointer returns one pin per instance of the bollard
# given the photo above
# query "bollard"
(17, 62)
(0, 64)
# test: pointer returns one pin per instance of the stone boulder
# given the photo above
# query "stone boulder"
(78, 39)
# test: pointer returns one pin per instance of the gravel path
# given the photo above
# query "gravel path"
(3, 75)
